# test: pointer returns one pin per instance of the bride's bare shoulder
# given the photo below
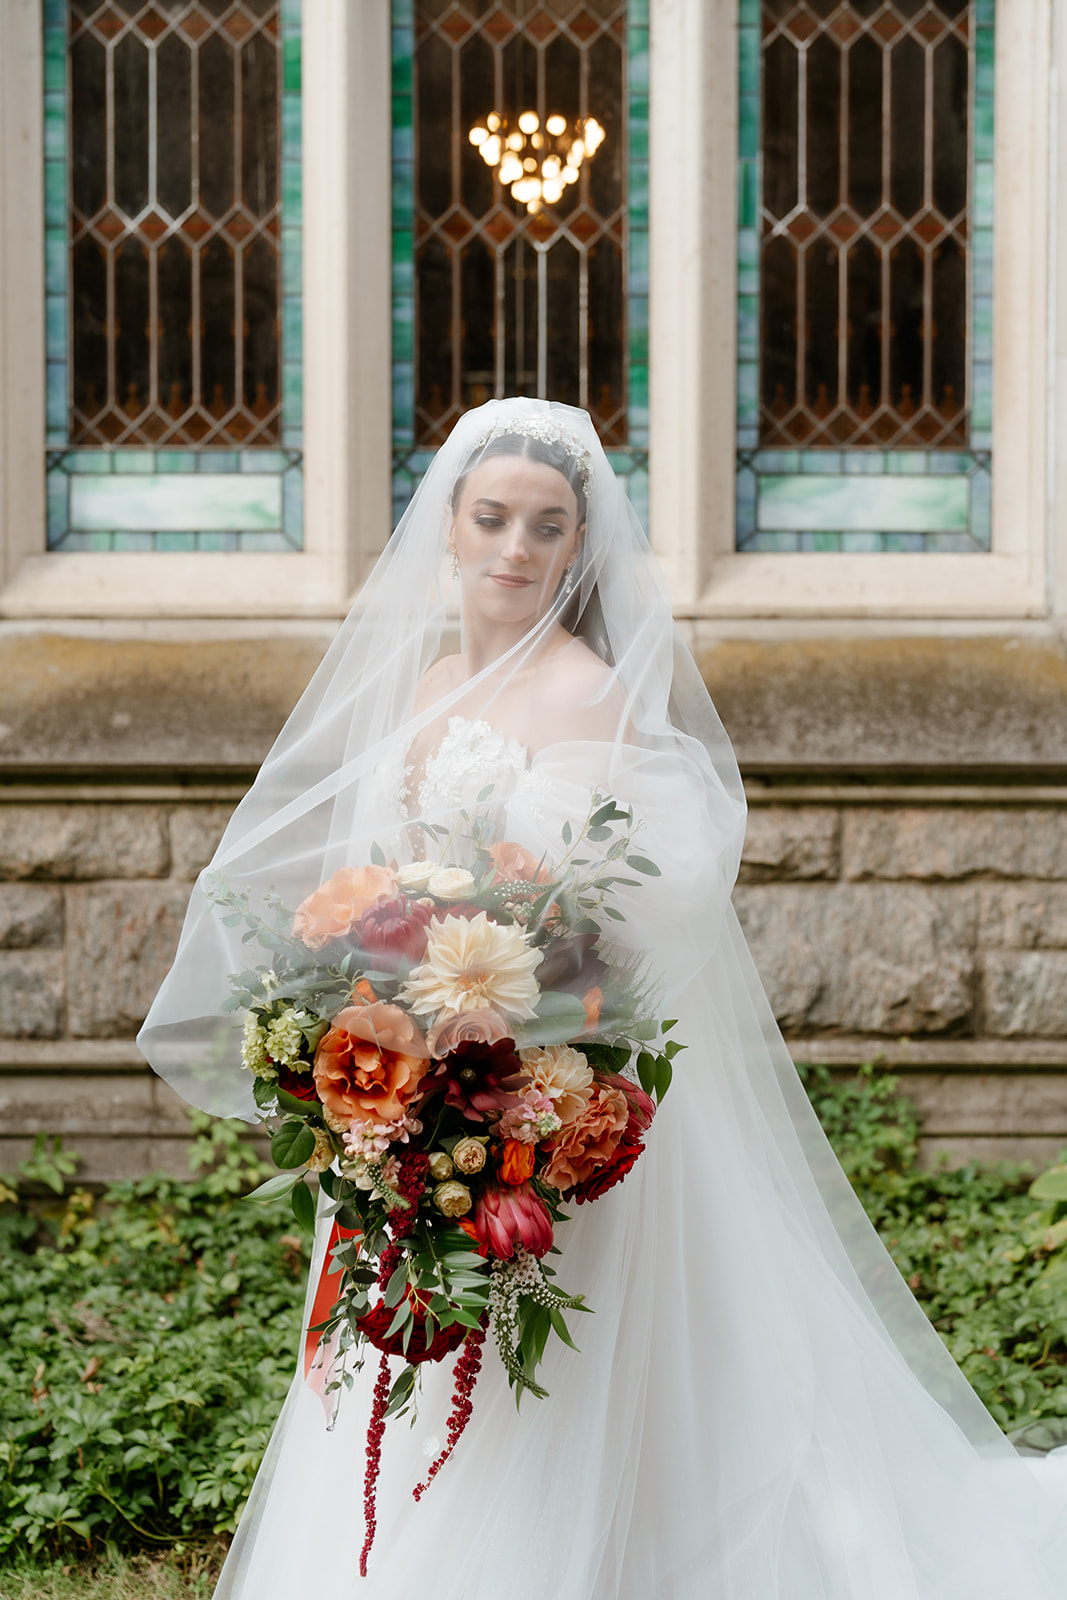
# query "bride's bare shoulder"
(581, 695)
(446, 674)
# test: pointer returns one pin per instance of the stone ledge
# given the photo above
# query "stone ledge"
(840, 1051)
(79, 702)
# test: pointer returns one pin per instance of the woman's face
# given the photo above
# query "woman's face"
(515, 532)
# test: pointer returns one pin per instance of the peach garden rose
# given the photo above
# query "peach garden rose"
(335, 908)
(369, 1065)
(590, 1141)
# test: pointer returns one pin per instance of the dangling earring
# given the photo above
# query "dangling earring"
(455, 559)
(568, 578)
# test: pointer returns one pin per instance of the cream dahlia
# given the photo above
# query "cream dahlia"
(562, 1074)
(471, 965)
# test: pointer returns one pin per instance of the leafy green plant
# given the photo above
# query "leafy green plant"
(146, 1342)
(147, 1337)
(986, 1260)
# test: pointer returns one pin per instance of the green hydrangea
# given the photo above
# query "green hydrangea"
(254, 1048)
(284, 1039)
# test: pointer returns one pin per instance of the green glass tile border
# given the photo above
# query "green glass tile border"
(403, 258)
(754, 465)
(292, 245)
(64, 465)
(630, 462)
(54, 18)
(637, 240)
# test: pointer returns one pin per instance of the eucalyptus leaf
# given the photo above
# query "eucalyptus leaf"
(281, 1184)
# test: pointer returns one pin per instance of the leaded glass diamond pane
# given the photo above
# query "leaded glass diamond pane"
(508, 300)
(175, 223)
(865, 224)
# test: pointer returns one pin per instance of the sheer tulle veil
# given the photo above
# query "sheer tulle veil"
(761, 1408)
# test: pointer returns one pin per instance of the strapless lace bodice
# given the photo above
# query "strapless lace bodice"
(471, 758)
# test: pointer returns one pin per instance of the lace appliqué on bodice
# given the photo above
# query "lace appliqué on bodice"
(471, 756)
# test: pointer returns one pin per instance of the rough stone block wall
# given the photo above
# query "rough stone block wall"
(904, 884)
(932, 934)
(92, 897)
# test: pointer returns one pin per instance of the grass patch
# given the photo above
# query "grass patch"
(180, 1575)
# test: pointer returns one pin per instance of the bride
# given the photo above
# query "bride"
(759, 1409)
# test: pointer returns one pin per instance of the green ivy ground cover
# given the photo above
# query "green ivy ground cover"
(146, 1343)
(147, 1337)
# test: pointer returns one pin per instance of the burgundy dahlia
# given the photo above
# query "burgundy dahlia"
(395, 928)
(479, 1078)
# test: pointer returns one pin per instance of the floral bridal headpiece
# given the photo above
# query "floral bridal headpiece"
(549, 432)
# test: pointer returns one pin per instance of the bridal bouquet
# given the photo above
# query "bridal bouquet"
(449, 1048)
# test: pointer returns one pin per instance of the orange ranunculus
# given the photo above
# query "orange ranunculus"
(592, 1000)
(515, 865)
(516, 1162)
(370, 1064)
(336, 907)
(365, 992)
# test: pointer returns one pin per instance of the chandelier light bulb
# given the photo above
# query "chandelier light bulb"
(537, 166)
(594, 135)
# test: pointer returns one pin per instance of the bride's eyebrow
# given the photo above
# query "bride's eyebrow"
(498, 505)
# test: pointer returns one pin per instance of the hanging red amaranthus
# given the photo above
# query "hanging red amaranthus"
(375, 1432)
(466, 1376)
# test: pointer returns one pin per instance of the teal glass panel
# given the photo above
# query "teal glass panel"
(887, 504)
(930, 490)
(178, 498)
(132, 460)
(212, 501)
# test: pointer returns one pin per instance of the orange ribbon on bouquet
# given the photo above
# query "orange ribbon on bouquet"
(326, 1293)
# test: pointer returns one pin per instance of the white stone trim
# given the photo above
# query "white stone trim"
(693, 147)
(346, 121)
(22, 372)
(1057, 363)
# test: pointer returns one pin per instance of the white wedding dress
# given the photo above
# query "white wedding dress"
(739, 1424)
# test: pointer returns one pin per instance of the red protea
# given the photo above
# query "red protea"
(504, 1218)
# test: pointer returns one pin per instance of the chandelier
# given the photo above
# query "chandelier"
(536, 163)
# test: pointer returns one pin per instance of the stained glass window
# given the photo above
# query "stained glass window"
(865, 274)
(173, 218)
(500, 292)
